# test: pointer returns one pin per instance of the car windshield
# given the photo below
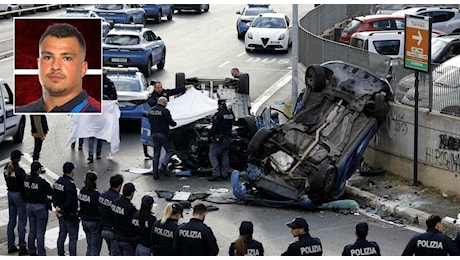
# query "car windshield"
(437, 46)
(109, 7)
(269, 22)
(352, 25)
(126, 84)
(122, 40)
(257, 11)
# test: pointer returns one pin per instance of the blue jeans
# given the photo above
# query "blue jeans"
(38, 220)
(142, 250)
(93, 234)
(125, 248)
(219, 152)
(98, 146)
(108, 237)
(17, 212)
(160, 140)
(68, 225)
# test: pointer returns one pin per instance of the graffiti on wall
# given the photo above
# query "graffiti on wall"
(397, 125)
(446, 154)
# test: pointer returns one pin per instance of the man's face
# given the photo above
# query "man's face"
(297, 231)
(61, 66)
(158, 87)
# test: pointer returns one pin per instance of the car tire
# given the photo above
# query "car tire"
(161, 65)
(180, 80)
(19, 136)
(324, 179)
(249, 123)
(256, 144)
(170, 15)
(243, 84)
(451, 110)
(147, 70)
(240, 35)
(315, 78)
(206, 8)
(158, 18)
(199, 10)
(380, 110)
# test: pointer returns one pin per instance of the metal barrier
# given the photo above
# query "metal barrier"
(31, 9)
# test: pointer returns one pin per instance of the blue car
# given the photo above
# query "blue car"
(121, 13)
(132, 91)
(247, 15)
(157, 12)
(129, 45)
(306, 160)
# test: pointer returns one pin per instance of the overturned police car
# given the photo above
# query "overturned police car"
(306, 160)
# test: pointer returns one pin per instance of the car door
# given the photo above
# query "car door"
(137, 12)
(154, 45)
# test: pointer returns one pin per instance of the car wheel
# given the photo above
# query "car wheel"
(255, 146)
(206, 8)
(161, 65)
(451, 110)
(180, 80)
(19, 136)
(324, 179)
(131, 21)
(240, 35)
(148, 68)
(199, 10)
(170, 15)
(249, 124)
(315, 78)
(380, 108)
(158, 18)
(243, 84)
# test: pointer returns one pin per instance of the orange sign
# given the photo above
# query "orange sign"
(417, 49)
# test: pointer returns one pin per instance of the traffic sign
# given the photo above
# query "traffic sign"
(417, 47)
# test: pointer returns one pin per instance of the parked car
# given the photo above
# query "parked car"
(83, 12)
(194, 121)
(10, 8)
(446, 19)
(121, 13)
(444, 47)
(269, 31)
(132, 91)
(157, 12)
(375, 22)
(446, 88)
(248, 14)
(11, 125)
(199, 8)
(134, 46)
(307, 160)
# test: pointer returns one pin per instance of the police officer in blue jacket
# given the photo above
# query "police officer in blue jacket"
(160, 119)
(14, 177)
(195, 238)
(36, 193)
(89, 214)
(164, 229)
(362, 247)
(65, 200)
(306, 245)
(432, 242)
(123, 228)
(105, 210)
(220, 136)
(143, 221)
(245, 245)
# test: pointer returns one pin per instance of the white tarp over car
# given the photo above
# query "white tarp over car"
(191, 106)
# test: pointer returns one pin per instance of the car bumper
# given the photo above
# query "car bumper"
(130, 111)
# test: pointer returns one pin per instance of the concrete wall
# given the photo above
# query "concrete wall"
(393, 147)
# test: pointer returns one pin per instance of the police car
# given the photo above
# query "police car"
(134, 46)
(121, 13)
(158, 11)
(10, 125)
(132, 91)
(83, 12)
(248, 14)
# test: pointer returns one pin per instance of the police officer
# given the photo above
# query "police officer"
(89, 214)
(143, 221)
(14, 178)
(123, 228)
(245, 245)
(220, 137)
(36, 193)
(65, 200)
(361, 247)
(432, 242)
(105, 210)
(195, 238)
(160, 119)
(164, 229)
(306, 245)
(158, 92)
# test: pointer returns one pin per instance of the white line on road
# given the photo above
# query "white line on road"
(223, 64)
(255, 106)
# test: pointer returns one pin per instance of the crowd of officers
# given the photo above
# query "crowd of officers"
(111, 216)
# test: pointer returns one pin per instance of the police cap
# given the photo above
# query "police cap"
(16, 154)
(298, 222)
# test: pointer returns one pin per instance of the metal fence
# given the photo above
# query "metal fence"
(315, 48)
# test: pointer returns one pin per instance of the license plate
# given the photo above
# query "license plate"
(119, 60)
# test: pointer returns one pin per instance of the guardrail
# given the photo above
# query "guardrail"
(31, 9)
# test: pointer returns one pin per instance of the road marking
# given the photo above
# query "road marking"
(51, 236)
(223, 64)
(241, 54)
(255, 106)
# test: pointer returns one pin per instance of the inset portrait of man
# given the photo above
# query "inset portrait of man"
(62, 70)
